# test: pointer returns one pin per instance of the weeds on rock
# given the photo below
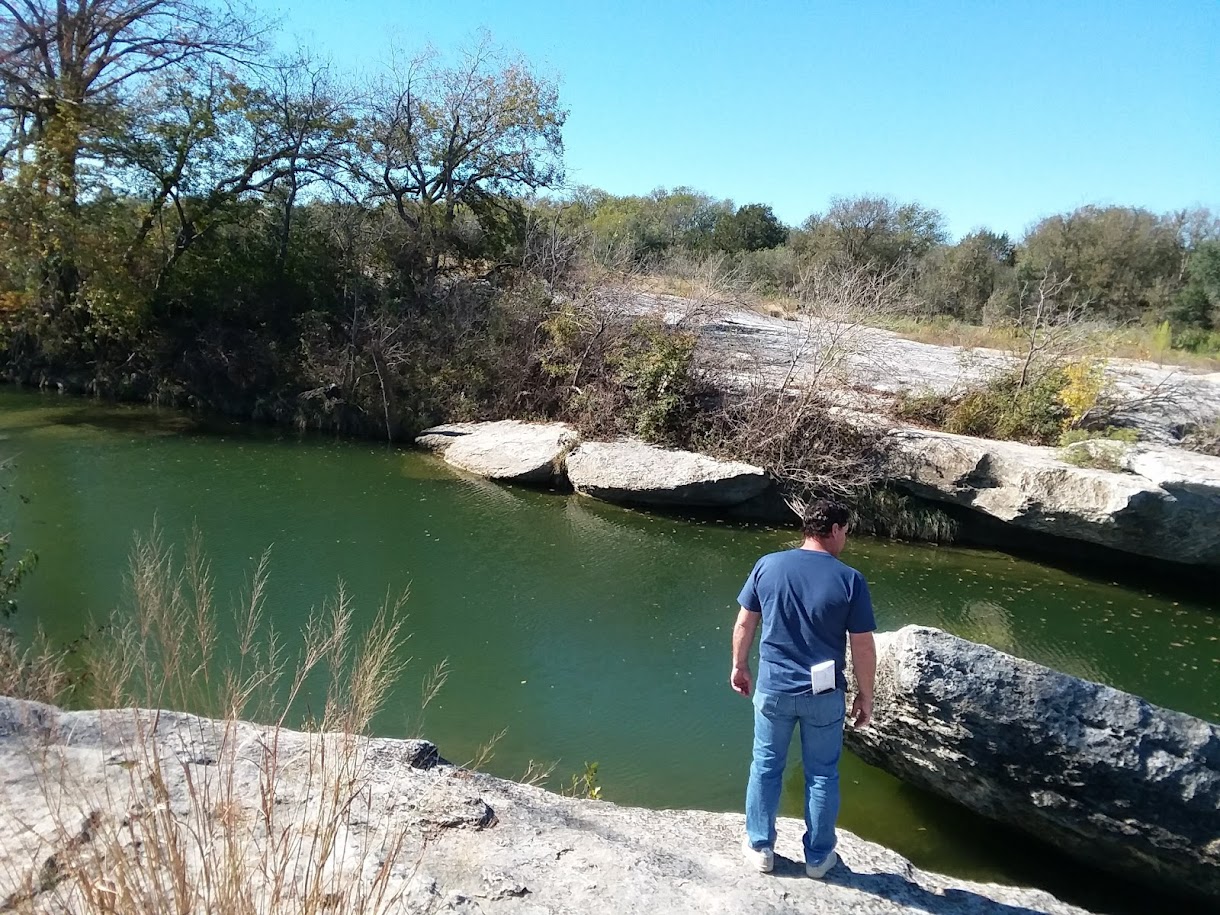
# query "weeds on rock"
(216, 814)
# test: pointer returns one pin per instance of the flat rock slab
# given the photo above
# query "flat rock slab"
(1165, 505)
(507, 450)
(636, 473)
(441, 838)
(1099, 773)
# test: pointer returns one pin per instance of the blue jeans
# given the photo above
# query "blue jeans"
(821, 719)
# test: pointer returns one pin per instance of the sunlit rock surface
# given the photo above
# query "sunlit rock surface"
(411, 832)
(634, 472)
(1161, 503)
(506, 450)
(1099, 773)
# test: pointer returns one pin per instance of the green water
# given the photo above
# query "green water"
(588, 631)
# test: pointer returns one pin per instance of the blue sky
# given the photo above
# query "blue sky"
(997, 114)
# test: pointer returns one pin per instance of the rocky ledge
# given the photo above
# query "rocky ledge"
(87, 793)
(1160, 503)
(1100, 774)
(1156, 502)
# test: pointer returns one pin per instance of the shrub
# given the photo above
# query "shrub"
(1003, 409)
(656, 368)
(1098, 454)
(1084, 383)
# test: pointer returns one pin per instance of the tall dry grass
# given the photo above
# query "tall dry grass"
(214, 814)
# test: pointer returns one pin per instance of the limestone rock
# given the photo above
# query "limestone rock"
(1099, 773)
(1165, 507)
(508, 450)
(414, 832)
(634, 472)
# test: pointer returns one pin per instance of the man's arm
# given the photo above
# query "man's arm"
(864, 663)
(743, 638)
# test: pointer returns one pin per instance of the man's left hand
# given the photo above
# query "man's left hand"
(741, 681)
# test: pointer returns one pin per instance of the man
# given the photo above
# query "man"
(808, 604)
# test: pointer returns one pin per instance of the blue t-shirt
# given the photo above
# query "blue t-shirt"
(809, 601)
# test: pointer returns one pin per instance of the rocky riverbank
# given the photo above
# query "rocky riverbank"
(414, 834)
(1158, 503)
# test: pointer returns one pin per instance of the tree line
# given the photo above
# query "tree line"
(1119, 264)
(187, 218)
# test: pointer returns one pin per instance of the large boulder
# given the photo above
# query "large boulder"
(1156, 502)
(636, 473)
(508, 450)
(290, 821)
(1099, 773)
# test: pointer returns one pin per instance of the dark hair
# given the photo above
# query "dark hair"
(821, 516)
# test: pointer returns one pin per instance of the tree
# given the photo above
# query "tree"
(959, 280)
(1124, 261)
(196, 148)
(63, 70)
(873, 231)
(469, 136)
(1198, 303)
(752, 227)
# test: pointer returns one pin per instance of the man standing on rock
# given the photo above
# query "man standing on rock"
(809, 604)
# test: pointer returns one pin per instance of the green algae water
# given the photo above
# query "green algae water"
(589, 632)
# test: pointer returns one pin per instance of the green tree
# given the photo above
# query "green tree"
(65, 68)
(752, 227)
(1124, 262)
(1198, 302)
(874, 232)
(960, 280)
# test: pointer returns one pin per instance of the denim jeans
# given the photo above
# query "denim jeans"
(821, 719)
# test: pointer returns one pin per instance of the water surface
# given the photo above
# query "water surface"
(590, 632)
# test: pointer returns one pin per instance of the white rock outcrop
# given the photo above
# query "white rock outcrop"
(507, 450)
(1165, 504)
(1100, 774)
(85, 798)
(636, 473)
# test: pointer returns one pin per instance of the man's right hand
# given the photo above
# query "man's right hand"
(741, 681)
(861, 711)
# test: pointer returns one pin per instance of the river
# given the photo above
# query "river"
(589, 632)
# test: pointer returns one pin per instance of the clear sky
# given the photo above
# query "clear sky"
(995, 113)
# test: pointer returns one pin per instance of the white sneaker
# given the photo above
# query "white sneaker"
(761, 859)
(818, 871)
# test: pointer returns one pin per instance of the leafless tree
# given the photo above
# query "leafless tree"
(443, 138)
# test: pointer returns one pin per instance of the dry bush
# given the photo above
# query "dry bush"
(39, 672)
(269, 824)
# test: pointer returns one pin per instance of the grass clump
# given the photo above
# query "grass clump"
(215, 814)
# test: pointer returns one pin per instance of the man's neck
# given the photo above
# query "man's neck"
(815, 545)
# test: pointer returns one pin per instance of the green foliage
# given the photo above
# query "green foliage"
(1003, 409)
(872, 232)
(1198, 303)
(1124, 262)
(926, 409)
(655, 367)
(752, 227)
(887, 513)
(1109, 433)
(961, 280)
(584, 784)
(12, 574)
(1100, 456)
(1162, 341)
